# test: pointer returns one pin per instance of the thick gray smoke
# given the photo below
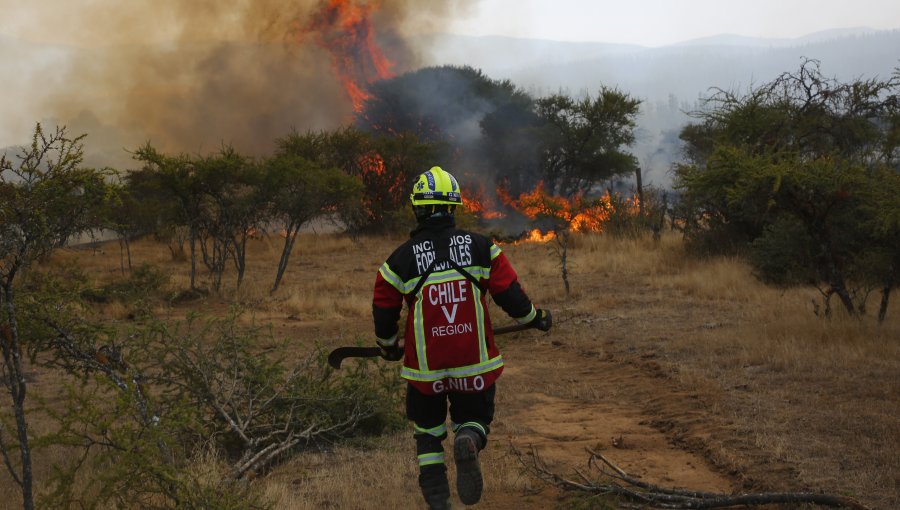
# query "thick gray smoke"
(189, 75)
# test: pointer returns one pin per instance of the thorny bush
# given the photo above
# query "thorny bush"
(136, 409)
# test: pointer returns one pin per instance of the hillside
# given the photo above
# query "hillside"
(684, 372)
(685, 70)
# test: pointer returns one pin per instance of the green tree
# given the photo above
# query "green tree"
(231, 210)
(129, 217)
(584, 141)
(879, 203)
(169, 185)
(792, 173)
(298, 191)
(812, 231)
(216, 197)
(45, 198)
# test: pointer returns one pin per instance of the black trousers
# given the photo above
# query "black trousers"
(473, 411)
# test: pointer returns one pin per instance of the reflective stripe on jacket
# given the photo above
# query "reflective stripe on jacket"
(445, 275)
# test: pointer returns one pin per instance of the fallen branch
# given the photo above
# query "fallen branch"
(613, 481)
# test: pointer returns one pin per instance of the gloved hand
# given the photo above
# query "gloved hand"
(543, 320)
(392, 352)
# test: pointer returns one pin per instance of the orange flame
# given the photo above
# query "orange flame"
(372, 163)
(387, 186)
(536, 236)
(475, 202)
(344, 28)
(578, 213)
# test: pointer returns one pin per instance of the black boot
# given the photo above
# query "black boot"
(469, 483)
(435, 487)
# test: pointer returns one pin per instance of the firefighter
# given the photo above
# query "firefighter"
(444, 275)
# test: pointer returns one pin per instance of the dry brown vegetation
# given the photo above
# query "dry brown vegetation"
(686, 372)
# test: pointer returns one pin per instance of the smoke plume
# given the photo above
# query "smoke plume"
(189, 75)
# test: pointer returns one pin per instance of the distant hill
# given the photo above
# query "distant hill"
(763, 42)
(670, 79)
(686, 69)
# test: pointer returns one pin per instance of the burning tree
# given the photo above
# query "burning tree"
(561, 150)
(462, 119)
(384, 165)
(561, 216)
(452, 109)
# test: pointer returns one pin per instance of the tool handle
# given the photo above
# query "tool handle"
(337, 355)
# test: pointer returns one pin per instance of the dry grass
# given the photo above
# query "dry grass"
(821, 396)
(342, 478)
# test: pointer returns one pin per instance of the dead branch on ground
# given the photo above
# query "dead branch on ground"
(613, 481)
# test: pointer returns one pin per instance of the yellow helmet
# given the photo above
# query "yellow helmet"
(436, 187)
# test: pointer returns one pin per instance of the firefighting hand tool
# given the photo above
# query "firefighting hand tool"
(338, 355)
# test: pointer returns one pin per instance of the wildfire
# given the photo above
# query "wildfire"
(536, 236)
(372, 163)
(578, 213)
(475, 202)
(344, 28)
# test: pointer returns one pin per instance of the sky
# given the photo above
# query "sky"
(660, 22)
(644, 22)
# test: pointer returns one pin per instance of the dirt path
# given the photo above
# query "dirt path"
(607, 383)
(561, 401)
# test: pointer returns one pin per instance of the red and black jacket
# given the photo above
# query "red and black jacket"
(445, 274)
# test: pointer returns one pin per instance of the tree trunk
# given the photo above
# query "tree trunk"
(125, 253)
(128, 252)
(17, 386)
(216, 263)
(122, 255)
(193, 244)
(846, 300)
(640, 191)
(657, 224)
(289, 238)
(563, 239)
(885, 296)
(240, 258)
